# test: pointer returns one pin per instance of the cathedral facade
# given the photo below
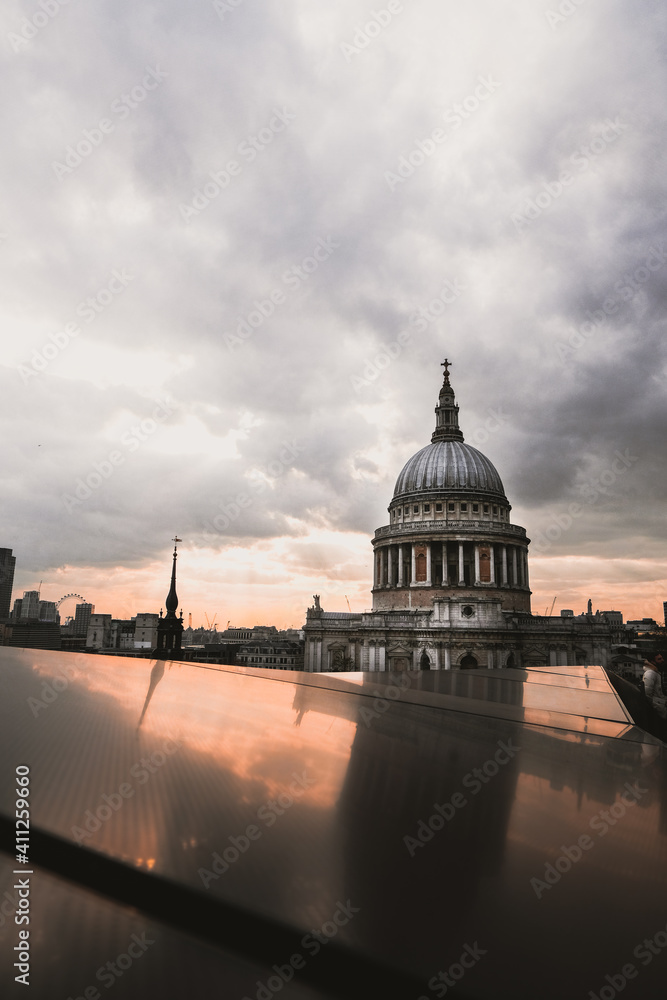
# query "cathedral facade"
(451, 581)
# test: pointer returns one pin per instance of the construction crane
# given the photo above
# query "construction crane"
(211, 624)
(552, 606)
(348, 605)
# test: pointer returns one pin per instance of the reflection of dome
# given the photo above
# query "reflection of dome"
(450, 466)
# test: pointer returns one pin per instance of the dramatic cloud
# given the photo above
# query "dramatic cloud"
(237, 240)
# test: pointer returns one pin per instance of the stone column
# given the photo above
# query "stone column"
(390, 566)
(525, 568)
(515, 570)
(461, 574)
(489, 659)
(492, 563)
(413, 565)
(476, 544)
(400, 565)
(504, 565)
(383, 563)
(445, 568)
(380, 661)
(428, 564)
(448, 658)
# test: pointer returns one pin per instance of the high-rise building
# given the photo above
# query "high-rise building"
(30, 604)
(7, 567)
(82, 619)
(48, 611)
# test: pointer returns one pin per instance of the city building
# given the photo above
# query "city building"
(145, 630)
(99, 632)
(259, 633)
(30, 604)
(30, 633)
(277, 654)
(82, 617)
(242, 635)
(7, 567)
(643, 624)
(122, 633)
(451, 577)
(48, 612)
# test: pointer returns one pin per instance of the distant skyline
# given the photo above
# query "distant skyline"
(237, 241)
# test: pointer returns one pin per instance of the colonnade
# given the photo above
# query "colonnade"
(396, 564)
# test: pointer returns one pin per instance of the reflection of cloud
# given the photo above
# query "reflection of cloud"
(240, 734)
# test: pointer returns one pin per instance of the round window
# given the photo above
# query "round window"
(467, 611)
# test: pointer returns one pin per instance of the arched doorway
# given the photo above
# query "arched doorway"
(468, 662)
(424, 661)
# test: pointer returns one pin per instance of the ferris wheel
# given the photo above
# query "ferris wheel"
(68, 597)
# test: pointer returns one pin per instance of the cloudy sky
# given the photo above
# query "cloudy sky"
(239, 237)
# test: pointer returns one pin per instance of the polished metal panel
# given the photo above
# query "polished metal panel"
(443, 811)
(77, 938)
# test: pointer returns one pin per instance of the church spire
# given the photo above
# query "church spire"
(170, 628)
(172, 597)
(447, 412)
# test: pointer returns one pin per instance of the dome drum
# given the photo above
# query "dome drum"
(414, 572)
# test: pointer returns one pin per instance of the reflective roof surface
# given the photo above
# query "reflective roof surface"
(516, 818)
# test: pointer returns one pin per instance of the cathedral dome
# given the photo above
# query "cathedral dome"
(447, 465)
(450, 466)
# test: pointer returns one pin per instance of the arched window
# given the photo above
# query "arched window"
(469, 662)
